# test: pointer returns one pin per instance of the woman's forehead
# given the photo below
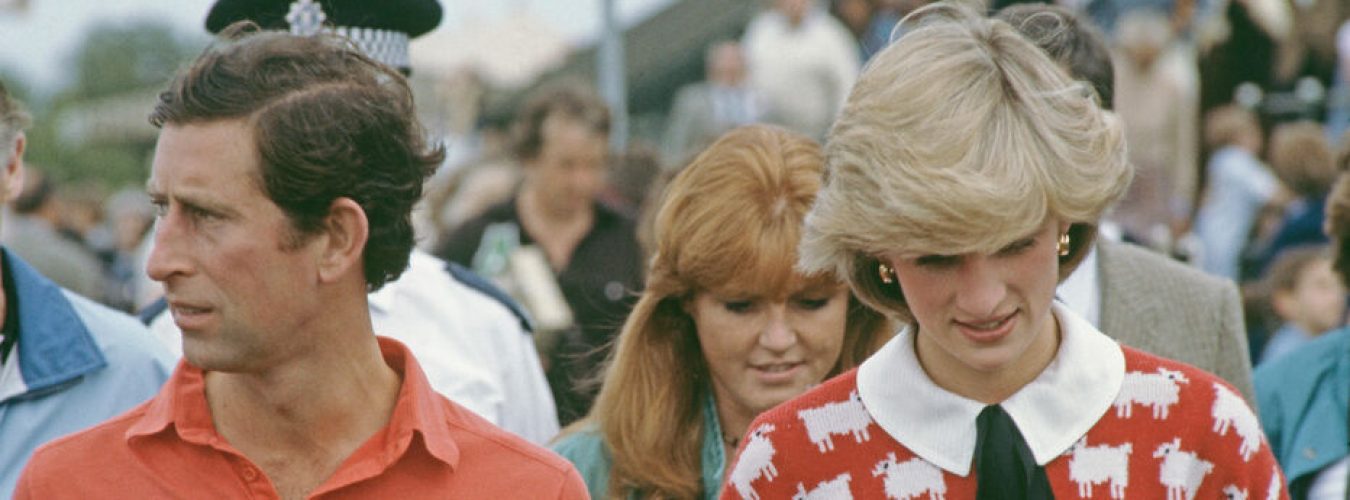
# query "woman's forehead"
(748, 286)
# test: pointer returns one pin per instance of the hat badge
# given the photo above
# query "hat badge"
(306, 17)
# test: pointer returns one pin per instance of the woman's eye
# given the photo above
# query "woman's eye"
(1018, 247)
(937, 261)
(811, 304)
(739, 306)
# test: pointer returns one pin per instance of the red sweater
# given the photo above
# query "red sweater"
(1175, 438)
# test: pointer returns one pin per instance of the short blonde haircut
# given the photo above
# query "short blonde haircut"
(731, 220)
(960, 137)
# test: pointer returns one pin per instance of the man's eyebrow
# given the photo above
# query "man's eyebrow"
(191, 201)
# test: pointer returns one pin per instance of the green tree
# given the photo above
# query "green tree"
(95, 130)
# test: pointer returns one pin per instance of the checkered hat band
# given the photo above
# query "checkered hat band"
(388, 47)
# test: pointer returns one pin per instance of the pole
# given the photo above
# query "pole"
(611, 75)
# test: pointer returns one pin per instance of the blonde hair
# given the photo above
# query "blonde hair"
(960, 137)
(730, 220)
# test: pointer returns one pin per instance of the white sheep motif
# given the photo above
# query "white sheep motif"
(911, 478)
(1093, 465)
(755, 460)
(840, 417)
(1157, 390)
(834, 489)
(1232, 492)
(1231, 411)
(1273, 491)
(1182, 471)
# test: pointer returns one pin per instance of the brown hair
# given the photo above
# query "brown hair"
(328, 122)
(1076, 44)
(571, 100)
(1289, 263)
(1301, 157)
(1225, 125)
(731, 219)
(1338, 225)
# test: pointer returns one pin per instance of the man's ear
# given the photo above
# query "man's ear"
(345, 232)
(12, 176)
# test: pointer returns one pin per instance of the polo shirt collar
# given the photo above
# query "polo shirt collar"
(1053, 411)
(181, 403)
(54, 346)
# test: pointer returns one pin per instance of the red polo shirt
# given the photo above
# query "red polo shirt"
(169, 448)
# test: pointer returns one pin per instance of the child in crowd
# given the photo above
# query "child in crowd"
(1306, 296)
(1238, 185)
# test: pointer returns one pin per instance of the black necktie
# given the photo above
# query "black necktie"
(1004, 466)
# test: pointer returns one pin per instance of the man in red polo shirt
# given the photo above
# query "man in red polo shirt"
(284, 176)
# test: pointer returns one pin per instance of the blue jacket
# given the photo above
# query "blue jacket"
(76, 364)
(1303, 399)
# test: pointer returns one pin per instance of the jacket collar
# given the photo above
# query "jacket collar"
(54, 348)
(714, 455)
(1053, 411)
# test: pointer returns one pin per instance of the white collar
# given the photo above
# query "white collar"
(1081, 291)
(1052, 412)
(420, 265)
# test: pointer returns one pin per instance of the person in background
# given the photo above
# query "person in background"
(632, 179)
(472, 341)
(1156, 93)
(284, 197)
(1303, 395)
(1139, 297)
(590, 250)
(1306, 296)
(1237, 188)
(66, 362)
(702, 111)
(725, 328)
(1304, 161)
(129, 218)
(34, 234)
(994, 390)
(801, 63)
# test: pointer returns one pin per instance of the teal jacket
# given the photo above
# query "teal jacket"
(587, 450)
(1303, 398)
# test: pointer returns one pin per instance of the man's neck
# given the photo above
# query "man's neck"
(299, 421)
(557, 233)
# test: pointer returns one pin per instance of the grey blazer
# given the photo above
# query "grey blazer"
(1157, 305)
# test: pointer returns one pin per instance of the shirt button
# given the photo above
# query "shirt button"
(1309, 453)
(614, 291)
(250, 473)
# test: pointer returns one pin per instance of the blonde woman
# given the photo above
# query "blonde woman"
(725, 328)
(965, 176)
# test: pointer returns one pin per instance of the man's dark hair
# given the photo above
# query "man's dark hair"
(328, 123)
(1073, 42)
(571, 100)
(13, 119)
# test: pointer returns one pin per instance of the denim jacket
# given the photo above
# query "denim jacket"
(76, 364)
(1303, 399)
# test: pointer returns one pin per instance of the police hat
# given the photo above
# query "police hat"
(381, 28)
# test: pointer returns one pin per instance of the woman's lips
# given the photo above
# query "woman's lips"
(987, 331)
